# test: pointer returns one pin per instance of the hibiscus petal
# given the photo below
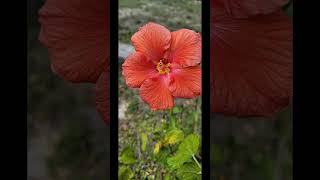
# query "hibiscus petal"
(185, 48)
(247, 8)
(136, 69)
(76, 34)
(103, 96)
(155, 92)
(251, 62)
(152, 40)
(185, 82)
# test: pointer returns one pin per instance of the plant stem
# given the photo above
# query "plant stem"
(196, 116)
(172, 118)
(195, 159)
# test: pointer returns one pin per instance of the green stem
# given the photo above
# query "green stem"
(172, 119)
(195, 159)
(196, 116)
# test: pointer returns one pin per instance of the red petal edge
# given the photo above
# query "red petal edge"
(76, 34)
(103, 96)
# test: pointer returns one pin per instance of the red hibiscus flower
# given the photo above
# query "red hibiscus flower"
(165, 65)
(251, 57)
(76, 34)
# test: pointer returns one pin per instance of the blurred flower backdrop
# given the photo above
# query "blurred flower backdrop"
(66, 137)
(251, 77)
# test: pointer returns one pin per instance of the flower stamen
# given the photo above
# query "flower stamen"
(163, 68)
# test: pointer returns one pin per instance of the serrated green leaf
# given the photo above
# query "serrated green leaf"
(189, 171)
(144, 141)
(125, 173)
(163, 155)
(173, 136)
(186, 150)
(127, 156)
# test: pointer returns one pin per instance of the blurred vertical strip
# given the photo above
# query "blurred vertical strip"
(251, 61)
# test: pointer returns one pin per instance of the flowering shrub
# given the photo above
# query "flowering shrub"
(165, 144)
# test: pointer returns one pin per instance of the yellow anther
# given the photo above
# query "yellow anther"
(163, 68)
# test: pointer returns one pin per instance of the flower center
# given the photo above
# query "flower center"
(163, 68)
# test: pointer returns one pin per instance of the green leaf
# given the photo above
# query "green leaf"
(163, 155)
(127, 156)
(186, 150)
(189, 171)
(167, 177)
(144, 141)
(157, 130)
(125, 173)
(157, 147)
(173, 136)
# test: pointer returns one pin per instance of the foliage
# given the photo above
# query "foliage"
(167, 153)
(127, 156)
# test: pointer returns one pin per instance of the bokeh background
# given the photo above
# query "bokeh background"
(252, 148)
(66, 139)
